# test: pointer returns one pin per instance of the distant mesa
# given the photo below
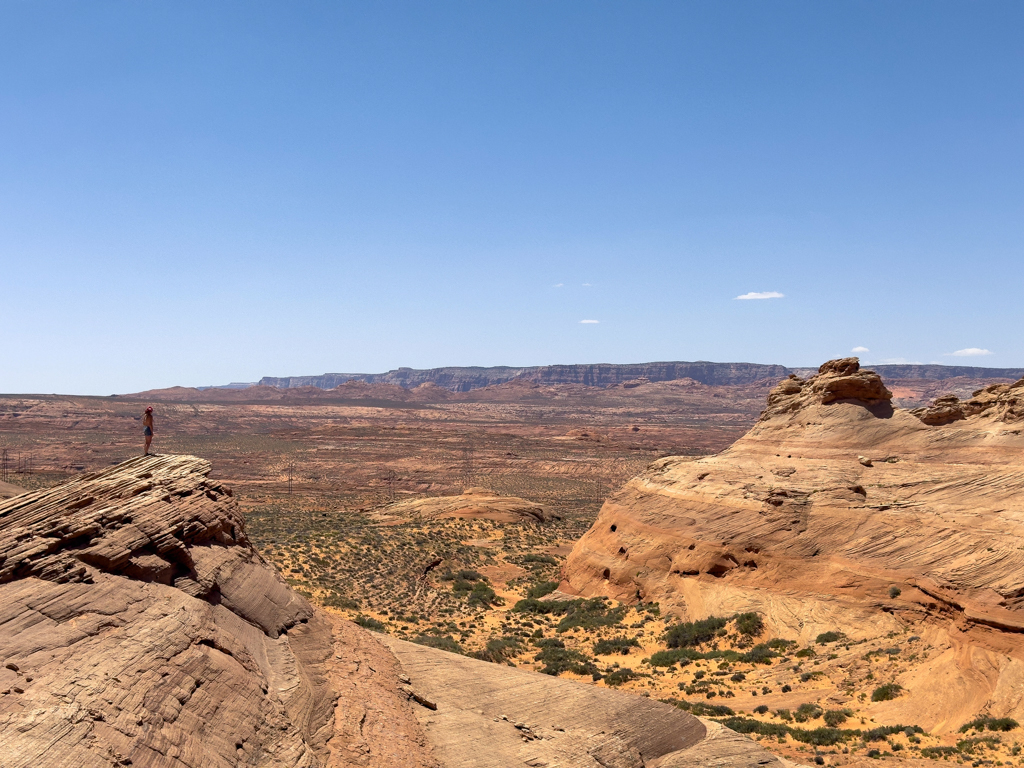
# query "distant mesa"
(138, 626)
(471, 503)
(833, 502)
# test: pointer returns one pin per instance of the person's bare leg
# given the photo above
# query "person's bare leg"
(149, 439)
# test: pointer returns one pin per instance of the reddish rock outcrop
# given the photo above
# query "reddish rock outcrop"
(832, 499)
(139, 627)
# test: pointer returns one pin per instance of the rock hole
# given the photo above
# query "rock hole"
(613, 528)
(622, 550)
(692, 547)
(607, 573)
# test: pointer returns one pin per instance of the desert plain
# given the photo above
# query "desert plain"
(632, 537)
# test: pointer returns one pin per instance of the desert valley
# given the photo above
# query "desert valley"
(820, 567)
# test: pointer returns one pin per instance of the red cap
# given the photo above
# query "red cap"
(149, 409)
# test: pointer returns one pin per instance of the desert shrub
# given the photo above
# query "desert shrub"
(542, 588)
(759, 654)
(821, 737)
(619, 676)
(883, 731)
(968, 746)
(711, 710)
(829, 637)
(778, 644)
(750, 624)
(368, 622)
(499, 650)
(692, 633)
(469, 575)
(441, 642)
(335, 600)
(761, 709)
(874, 754)
(784, 714)
(590, 614)
(739, 677)
(992, 723)
(895, 592)
(549, 642)
(558, 660)
(611, 645)
(479, 593)
(749, 725)
(886, 692)
(836, 717)
(787, 688)
(807, 712)
(805, 653)
(932, 753)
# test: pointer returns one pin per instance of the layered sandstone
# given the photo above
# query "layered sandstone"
(139, 627)
(833, 499)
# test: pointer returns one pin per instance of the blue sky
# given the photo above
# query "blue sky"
(195, 193)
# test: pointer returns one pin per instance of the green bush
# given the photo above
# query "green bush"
(759, 654)
(368, 622)
(886, 692)
(807, 712)
(836, 717)
(749, 624)
(558, 660)
(805, 653)
(542, 588)
(784, 714)
(590, 614)
(692, 633)
(620, 645)
(499, 650)
(700, 709)
(761, 709)
(441, 642)
(829, 637)
(619, 676)
(932, 753)
(992, 723)
(895, 592)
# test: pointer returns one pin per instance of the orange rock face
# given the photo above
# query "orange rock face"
(833, 499)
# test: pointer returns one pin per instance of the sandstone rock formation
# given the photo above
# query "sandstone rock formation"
(829, 502)
(471, 503)
(493, 716)
(139, 627)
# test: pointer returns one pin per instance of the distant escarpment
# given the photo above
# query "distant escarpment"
(596, 375)
(838, 511)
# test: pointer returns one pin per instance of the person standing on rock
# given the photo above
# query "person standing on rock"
(147, 427)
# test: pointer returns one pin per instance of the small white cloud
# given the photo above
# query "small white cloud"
(558, 285)
(969, 352)
(760, 295)
(586, 285)
(897, 361)
(590, 322)
(858, 350)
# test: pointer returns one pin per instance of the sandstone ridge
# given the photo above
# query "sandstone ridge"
(838, 511)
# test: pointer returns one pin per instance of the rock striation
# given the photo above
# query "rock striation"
(139, 627)
(831, 500)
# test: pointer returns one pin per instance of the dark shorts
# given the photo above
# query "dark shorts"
(148, 431)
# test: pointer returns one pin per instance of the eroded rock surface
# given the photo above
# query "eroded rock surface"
(139, 627)
(830, 501)
(493, 716)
